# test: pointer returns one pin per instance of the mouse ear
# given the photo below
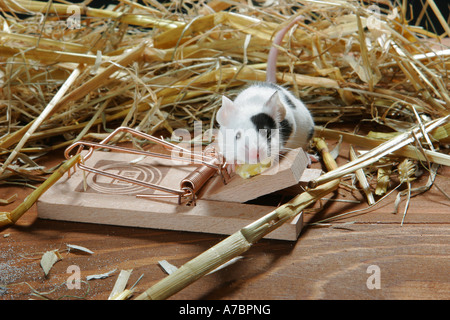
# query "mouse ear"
(275, 108)
(226, 111)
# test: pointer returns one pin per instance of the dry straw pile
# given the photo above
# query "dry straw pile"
(71, 72)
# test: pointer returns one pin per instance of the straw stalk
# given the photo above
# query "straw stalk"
(7, 218)
(242, 240)
(160, 67)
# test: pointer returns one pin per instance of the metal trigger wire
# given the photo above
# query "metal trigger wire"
(208, 164)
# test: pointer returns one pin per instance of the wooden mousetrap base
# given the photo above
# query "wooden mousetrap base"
(89, 198)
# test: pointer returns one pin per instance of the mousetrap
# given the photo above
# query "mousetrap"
(180, 190)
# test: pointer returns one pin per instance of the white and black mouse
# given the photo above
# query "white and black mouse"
(265, 120)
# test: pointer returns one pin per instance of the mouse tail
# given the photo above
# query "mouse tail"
(271, 70)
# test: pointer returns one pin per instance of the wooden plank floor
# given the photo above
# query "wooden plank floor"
(328, 262)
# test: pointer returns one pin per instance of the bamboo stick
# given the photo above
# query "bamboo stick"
(234, 245)
(242, 240)
(377, 153)
(172, 66)
(408, 151)
(8, 218)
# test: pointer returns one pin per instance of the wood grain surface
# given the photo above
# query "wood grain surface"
(330, 261)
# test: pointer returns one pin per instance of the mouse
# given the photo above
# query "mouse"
(265, 120)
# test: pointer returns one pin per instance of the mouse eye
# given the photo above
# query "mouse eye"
(238, 135)
(267, 133)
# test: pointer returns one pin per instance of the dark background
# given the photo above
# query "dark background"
(429, 21)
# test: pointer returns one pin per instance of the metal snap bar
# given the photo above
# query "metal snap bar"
(207, 164)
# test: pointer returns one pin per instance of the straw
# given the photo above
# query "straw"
(361, 176)
(241, 241)
(8, 218)
(377, 153)
(156, 68)
(35, 124)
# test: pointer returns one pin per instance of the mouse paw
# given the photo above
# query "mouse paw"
(312, 158)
